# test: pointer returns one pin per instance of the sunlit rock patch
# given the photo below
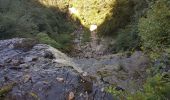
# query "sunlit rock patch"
(93, 27)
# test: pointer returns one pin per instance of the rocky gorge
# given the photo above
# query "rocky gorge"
(32, 71)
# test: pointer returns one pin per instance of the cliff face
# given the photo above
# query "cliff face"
(30, 71)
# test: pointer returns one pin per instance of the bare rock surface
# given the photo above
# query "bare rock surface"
(30, 71)
(119, 70)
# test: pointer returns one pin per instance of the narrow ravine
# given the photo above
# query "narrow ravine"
(121, 70)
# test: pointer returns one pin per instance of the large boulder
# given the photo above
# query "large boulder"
(30, 71)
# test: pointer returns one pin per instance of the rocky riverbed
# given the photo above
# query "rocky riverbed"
(31, 71)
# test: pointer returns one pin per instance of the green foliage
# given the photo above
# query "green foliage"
(121, 12)
(108, 15)
(62, 41)
(155, 88)
(154, 28)
(61, 4)
(127, 39)
(23, 18)
(119, 95)
(66, 41)
(44, 38)
(6, 89)
(86, 36)
(90, 11)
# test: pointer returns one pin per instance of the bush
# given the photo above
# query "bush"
(127, 39)
(62, 41)
(25, 18)
(44, 38)
(155, 88)
(154, 28)
(66, 41)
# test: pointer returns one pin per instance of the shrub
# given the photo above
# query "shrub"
(127, 39)
(44, 38)
(154, 29)
(30, 18)
(66, 41)
(155, 88)
(62, 41)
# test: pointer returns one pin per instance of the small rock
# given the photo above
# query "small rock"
(16, 62)
(45, 82)
(30, 58)
(102, 89)
(85, 74)
(60, 79)
(27, 78)
(117, 67)
(24, 66)
(81, 94)
(48, 54)
(71, 96)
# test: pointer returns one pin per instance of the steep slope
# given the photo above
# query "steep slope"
(30, 71)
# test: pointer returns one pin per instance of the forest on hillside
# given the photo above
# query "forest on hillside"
(135, 25)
